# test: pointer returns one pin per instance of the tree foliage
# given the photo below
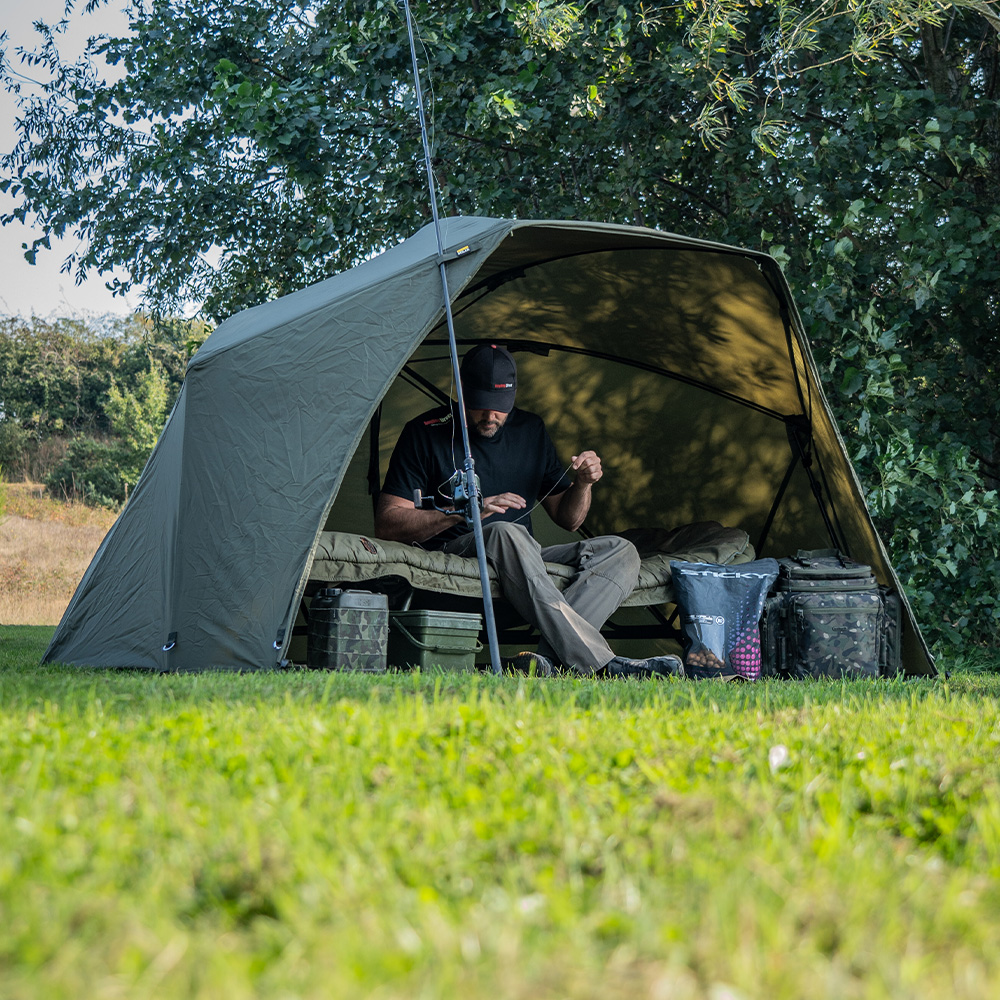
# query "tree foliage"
(230, 152)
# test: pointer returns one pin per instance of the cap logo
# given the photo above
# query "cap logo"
(503, 385)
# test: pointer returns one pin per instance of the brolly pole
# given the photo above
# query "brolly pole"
(471, 488)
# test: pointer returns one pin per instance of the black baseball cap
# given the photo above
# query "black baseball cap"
(489, 378)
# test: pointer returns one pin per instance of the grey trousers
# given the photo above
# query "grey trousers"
(607, 568)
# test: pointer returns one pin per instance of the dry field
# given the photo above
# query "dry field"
(45, 547)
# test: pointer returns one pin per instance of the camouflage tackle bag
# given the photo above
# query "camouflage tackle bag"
(827, 617)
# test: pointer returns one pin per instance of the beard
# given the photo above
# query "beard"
(487, 428)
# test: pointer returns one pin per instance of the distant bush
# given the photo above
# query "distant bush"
(92, 471)
(104, 472)
(61, 381)
(15, 443)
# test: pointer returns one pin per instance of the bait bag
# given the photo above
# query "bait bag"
(720, 609)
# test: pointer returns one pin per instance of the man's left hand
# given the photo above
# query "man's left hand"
(587, 467)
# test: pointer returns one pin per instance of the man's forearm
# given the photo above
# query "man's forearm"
(573, 506)
(408, 524)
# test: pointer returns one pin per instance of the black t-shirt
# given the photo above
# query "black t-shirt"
(520, 458)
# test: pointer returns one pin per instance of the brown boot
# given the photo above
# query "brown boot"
(533, 664)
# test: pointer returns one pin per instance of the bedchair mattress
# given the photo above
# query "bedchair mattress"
(347, 559)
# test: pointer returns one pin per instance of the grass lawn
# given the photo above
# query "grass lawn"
(422, 836)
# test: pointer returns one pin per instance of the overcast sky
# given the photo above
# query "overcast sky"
(40, 289)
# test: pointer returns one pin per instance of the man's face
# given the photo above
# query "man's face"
(486, 422)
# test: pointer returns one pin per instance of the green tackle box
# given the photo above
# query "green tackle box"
(447, 640)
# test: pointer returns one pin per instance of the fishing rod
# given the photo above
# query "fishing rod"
(467, 493)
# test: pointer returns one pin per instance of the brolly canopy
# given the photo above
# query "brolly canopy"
(683, 363)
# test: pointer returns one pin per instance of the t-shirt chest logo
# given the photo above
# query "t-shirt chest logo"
(438, 421)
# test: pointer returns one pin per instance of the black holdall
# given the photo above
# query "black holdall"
(827, 616)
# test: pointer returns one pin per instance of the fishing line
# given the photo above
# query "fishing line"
(429, 76)
(544, 496)
(524, 514)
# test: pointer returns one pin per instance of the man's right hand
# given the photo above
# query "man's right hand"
(502, 502)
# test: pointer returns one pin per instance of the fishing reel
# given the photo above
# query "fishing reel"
(460, 498)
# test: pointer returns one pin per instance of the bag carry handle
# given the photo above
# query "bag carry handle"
(806, 556)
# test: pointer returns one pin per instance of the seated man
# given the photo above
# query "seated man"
(516, 464)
